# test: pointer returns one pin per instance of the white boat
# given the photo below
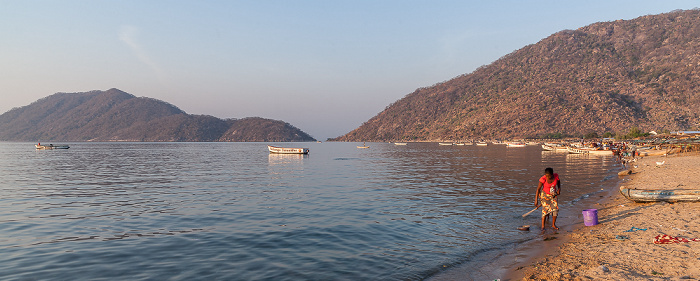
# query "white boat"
(459, 143)
(400, 143)
(601, 152)
(482, 143)
(445, 143)
(555, 148)
(50, 146)
(363, 146)
(574, 150)
(286, 150)
(516, 144)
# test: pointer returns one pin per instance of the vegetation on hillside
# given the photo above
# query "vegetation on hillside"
(114, 115)
(597, 80)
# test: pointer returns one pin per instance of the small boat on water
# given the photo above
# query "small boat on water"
(601, 152)
(555, 148)
(574, 150)
(668, 195)
(50, 146)
(285, 150)
(516, 144)
(363, 146)
(445, 143)
(400, 143)
(482, 143)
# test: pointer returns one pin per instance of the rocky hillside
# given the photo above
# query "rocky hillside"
(605, 77)
(114, 115)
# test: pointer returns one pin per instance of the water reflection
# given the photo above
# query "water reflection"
(285, 159)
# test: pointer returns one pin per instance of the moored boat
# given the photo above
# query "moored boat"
(601, 152)
(574, 150)
(554, 147)
(668, 195)
(286, 150)
(515, 144)
(482, 143)
(51, 146)
(400, 143)
(445, 143)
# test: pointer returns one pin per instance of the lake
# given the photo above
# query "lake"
(232, 211)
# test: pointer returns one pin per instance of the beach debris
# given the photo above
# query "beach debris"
(667, 239)
(604, 268)
(524, 228)
(634, 228)
(625, 173)
(622, 237)
(660, 163)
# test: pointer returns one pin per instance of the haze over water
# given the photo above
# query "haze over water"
(231, 211)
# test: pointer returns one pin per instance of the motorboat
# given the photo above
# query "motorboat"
(286, 150)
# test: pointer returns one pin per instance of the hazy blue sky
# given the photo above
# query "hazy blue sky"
(324, 66)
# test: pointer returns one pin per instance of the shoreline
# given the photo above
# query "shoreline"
(617, 248)
(502, 264)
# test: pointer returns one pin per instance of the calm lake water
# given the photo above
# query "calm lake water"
(231, 211)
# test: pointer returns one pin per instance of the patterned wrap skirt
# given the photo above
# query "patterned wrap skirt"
(549, 204)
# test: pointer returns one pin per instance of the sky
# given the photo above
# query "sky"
(323, 66)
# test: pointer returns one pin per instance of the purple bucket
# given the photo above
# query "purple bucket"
(590, 217)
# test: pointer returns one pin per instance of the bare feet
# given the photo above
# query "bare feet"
(555, 227)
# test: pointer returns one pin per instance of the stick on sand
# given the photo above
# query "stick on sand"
(530, 212)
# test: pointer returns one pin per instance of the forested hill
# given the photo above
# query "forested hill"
(114, 115)
(603, 78)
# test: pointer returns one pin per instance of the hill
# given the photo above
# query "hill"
(114, 115)
(607, 77)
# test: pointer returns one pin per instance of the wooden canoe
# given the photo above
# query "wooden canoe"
(50, 146)
(658, 195)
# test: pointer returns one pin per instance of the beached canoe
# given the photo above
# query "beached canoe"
(668, 195)
(285, 150)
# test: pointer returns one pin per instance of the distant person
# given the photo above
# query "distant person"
(547, 192)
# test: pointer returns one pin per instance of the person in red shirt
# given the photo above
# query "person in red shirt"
(547, 192)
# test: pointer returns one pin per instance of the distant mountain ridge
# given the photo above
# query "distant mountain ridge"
(603, 78)
(114, 115)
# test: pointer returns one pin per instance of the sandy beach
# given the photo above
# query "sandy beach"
(621, 246)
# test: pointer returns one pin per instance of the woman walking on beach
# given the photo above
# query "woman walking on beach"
(547, 192)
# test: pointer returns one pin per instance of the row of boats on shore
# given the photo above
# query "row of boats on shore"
(573, 148)
(597, 149)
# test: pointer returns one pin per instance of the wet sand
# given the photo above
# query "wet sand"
(621, 246)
